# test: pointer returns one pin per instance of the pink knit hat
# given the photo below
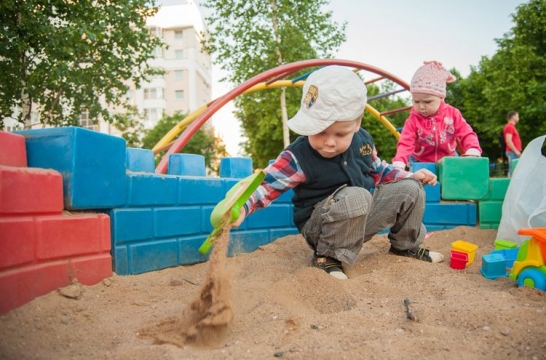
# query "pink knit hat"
(431, 78)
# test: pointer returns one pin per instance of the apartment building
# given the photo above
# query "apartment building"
(186, 84)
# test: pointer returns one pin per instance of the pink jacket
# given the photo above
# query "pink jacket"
(430, 139)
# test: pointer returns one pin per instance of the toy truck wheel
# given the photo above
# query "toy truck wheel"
(532, 278)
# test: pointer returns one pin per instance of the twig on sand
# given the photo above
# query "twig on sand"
(409, 313)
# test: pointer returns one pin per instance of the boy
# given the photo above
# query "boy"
(333, 167)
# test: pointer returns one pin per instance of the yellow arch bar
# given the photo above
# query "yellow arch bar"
(166, 140)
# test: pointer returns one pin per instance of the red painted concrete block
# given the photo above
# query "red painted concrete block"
(30, 191)
(104, 233)
(67, 236)
(16, 241)
(90, 270)
(12, 149)
(20, 286)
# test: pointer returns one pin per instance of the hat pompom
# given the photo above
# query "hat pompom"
(431, 78)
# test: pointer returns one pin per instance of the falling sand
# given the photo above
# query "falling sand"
(207, 318)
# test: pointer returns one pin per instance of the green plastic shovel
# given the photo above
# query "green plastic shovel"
(235, 198)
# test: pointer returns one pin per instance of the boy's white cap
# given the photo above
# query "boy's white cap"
(332, 93)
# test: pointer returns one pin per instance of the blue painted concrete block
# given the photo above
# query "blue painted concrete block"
(450, 214)
(188, 250)
(176, 221)
(247, 241)
(140, 160)
(237, 167)
(131, 225)
(423, 165)
(432, 193)
(120, 260)
(151, 189)
(276, 215)
(153, 255)
(205, 213)
(275, 234)
(193, 191)
(92, 164)
(434, 227)
(187, 165)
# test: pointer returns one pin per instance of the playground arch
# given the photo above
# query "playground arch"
(273, 78)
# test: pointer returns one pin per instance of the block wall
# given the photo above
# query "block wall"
(43, 247)
(87, 206)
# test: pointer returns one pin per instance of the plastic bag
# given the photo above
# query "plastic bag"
(524, 204)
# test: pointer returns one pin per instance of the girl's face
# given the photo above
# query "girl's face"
(335, 139)
(426, 104)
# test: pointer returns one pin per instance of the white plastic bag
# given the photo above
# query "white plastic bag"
(524, 205)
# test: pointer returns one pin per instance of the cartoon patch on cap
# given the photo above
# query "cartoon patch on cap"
(311, 96)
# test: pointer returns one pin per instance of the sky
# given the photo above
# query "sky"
(397, 36)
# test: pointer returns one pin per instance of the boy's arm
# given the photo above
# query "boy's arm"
(384, 173)
(381, 172)
(282, 175)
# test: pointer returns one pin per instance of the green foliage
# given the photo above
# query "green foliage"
(203, 142)
(245, 43)
(384, 140)
(131, 128)
(514, 78)
(60, 57)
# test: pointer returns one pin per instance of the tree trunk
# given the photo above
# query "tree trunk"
(285, 132)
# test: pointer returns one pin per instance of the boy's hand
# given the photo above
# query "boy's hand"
(239, 221)
(426, 177)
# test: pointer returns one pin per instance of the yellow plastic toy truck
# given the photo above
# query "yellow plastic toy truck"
(529, 269)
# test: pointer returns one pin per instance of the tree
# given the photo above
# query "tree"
(248, 37)
(514, 78)
(61, 57)
(203, 142)
(384, 140)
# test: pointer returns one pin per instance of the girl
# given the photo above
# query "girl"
(434, 129)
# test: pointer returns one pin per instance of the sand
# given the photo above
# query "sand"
(271, 304)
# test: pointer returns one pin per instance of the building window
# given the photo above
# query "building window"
(178, 34)
(178, 74)
(34, 118)
(179, 54)
(156, 31)
(158, 52)
(153, 93)
(150, 93)
(179, 94)
(150, 114)
(86, 122)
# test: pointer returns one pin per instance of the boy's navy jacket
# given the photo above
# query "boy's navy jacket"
(324, 175)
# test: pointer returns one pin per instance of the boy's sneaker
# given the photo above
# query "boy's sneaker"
(419, 254)
(330, 265)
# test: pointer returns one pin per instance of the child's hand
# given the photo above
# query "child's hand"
(239, 221)
(425, 177)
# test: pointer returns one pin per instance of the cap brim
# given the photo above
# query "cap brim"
(304, 124)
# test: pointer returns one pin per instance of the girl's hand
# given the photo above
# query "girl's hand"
(426, 177)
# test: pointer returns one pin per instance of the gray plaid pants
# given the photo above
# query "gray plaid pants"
(344, 221)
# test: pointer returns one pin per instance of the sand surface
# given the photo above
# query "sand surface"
(271, 304)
